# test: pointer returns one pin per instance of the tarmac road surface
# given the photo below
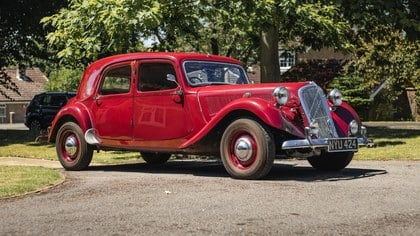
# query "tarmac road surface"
(198, 198)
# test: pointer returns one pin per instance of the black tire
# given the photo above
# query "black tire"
(152, 158)
(72, 150)
(247, 149)
(331, 161)
(35, 126)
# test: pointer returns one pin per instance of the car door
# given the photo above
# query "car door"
(159, 110)
(113, 104)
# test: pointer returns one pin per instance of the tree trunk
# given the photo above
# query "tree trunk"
(269, 55)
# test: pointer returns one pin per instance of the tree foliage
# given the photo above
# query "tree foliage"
(22, 36)
(392, 58)
(248, 30)
(386, 35)
(64, 79)
(91, 29)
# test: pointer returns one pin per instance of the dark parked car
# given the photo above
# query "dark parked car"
(43, 108)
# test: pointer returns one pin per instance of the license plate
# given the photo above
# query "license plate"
(342, 145)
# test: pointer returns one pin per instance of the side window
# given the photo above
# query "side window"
(116, 81)
(153, 77)
(58, 101)
(46, 100)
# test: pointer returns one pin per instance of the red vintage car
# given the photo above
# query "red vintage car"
(161, 104)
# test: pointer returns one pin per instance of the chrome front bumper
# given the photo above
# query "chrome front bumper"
(321, 143)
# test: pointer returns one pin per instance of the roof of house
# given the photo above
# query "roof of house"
(28, 86)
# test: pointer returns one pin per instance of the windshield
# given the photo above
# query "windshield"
(201, 73)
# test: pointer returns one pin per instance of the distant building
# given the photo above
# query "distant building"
(29, 82)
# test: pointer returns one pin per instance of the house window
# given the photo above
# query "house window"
(3, 111)
(286, 60)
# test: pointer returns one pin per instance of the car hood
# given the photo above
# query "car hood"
(213, 98)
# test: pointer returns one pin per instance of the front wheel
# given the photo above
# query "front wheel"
(247, 149)
(72, 150)
(331, 161)
(152, 158)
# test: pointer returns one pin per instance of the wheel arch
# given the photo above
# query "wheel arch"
(211, 139)
(256, 108)
(77, 115)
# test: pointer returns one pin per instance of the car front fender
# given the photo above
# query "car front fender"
(342, 116)
(260, 108)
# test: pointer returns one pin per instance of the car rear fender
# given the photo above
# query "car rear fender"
(248, 107)
(77, 113)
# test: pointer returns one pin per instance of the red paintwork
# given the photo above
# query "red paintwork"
(166, 121)
(342, 116)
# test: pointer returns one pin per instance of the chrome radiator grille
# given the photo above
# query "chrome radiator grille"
(316, 109)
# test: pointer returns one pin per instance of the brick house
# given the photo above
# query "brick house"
(29, 82)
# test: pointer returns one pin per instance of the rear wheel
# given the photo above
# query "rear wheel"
(331, 161)
(155, 158)
(72, 150)
(247, 149)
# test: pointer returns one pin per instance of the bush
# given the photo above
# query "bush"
(355, 92)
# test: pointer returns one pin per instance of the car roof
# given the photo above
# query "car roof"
(179, 56)
(56, 93)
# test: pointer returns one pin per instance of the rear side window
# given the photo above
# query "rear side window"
(46, 100)
(58, 100)
(153, 77)
(116, 81)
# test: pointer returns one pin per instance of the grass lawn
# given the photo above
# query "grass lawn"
(401, 143)
(391, 144)
(16, 180)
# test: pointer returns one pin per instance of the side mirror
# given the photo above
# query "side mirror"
(172, 78)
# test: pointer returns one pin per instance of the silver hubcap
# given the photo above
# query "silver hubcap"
(71, 145)
(243, 149)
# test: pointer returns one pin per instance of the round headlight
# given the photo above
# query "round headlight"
(335, 97)
(281, 94)
(353, 127)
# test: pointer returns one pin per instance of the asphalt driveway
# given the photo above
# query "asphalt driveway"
(198, 198)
